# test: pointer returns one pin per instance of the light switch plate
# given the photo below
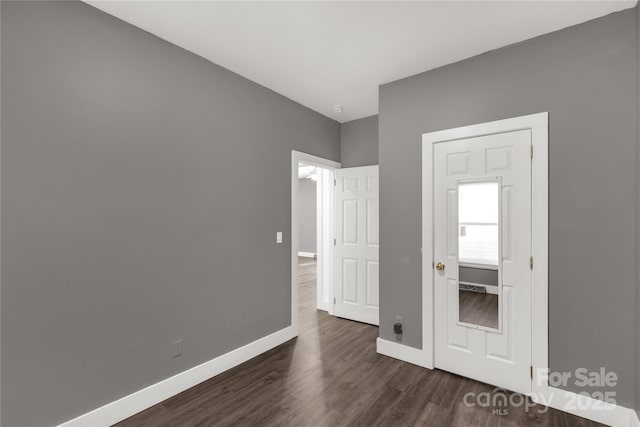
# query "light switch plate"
(177, 348)
(279, 237)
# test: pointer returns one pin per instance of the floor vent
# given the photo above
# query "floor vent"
(472, 288)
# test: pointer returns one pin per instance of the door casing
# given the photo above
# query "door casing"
(538, 124)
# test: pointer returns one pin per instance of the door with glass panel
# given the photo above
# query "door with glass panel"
(482, 253)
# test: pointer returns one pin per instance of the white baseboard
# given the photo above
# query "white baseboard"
(307, 254)
(127, 406)
(323, 305)
(590, 408)
(635, 421)
(402, 352)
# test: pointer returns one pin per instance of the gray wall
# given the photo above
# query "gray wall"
(142, 188)
(307, 213)
(638, 215)
(585, 76)
(359, 142)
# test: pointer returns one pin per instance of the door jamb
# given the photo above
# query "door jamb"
(296, 158)
(538, 124)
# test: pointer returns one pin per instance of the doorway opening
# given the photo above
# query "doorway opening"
(312, 232)
(347, 243)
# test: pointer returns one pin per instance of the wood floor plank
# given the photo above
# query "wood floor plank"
(332, 376)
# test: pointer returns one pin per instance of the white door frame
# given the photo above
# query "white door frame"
(327, 233)
(538, 124)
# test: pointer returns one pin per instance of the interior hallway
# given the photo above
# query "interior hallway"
(331, 375)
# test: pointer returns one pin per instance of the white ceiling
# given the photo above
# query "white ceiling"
(328, 53)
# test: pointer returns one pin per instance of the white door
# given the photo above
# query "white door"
(357, 245)
(482, 255)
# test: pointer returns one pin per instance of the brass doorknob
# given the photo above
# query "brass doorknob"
(439, 266)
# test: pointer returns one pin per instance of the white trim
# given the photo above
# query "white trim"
(538, 123)
(134, 403)
(325, 233)
(306, 254)
(400, 351)
(321, 304)
(297, 157)
(428, 319)
(587, 407)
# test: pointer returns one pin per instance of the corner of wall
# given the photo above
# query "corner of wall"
(359, 142)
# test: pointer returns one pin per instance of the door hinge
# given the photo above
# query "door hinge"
(531, 371)
(531, 150)
(334, 301)
(531, 263)
(334, 242)
(335, 182)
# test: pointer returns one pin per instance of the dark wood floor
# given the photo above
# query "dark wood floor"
(331, 375)
(478, 308)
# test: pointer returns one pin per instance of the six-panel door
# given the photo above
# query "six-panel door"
(357, 244)
(498, 351)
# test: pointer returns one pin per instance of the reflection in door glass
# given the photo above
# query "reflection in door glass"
(478, 253)
(478, 223)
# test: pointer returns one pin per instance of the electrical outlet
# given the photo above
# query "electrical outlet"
(398, 328)
(177, 348)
